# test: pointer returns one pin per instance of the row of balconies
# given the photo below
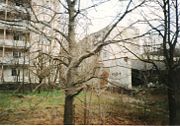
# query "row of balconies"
(12, 6)
(9, 16)
(14, 43)
(19, 25)
(14, 61)
(17, 14)
(9, 8)
(18, 6)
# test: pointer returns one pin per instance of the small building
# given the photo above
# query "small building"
(115, 58)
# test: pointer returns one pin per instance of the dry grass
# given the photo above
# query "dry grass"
(106, 108)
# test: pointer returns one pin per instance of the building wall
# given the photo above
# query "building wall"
(119, 70)
(29, 40)
(44, 43)
(10, 78)
(115, 59)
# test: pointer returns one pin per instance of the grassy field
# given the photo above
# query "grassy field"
(147, 107)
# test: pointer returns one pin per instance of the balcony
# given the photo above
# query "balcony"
(14, 43)
(13, 8)
(11, 61)
(17, 25)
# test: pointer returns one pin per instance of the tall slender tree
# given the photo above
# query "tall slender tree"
(166, 24)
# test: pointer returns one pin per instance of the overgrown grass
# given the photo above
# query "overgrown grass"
(11, 100)
(5, 101)
(106, 108)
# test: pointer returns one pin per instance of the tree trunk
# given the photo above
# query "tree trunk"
(178, 106)
(85, 107)
(68, 110)
(171, 99)
(177, 95)
(172, 106)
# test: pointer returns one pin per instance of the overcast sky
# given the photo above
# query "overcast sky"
(105, 13)
(100, 16)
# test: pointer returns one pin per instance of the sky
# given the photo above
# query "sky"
(98, 17)
(102, 15)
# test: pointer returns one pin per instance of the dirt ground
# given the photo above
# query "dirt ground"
(144, 108)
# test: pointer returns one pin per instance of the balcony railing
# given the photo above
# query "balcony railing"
(14, 8)
(14, 43)
(13, 61)
(18, 25)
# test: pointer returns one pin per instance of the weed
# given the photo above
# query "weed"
(107, 108)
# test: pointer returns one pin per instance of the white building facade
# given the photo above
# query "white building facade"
(19, 44)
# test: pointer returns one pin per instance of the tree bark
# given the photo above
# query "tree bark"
(171, 98)
(172, 107)
(68, 110)
(176, 120)
(178, 106)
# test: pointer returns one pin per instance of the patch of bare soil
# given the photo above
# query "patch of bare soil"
(114, 109)
(36, 116)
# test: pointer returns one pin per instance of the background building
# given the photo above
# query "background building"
(19, 46)
(114, 60)
(14, 41)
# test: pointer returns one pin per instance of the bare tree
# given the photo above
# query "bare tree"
(69, 59)
(72, 84)
(166, 24)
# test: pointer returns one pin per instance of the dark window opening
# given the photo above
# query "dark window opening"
(18, 2)
(15, 72)
(16, 54)
(16, 37)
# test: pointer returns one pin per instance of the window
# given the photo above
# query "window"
(15, 72)
(16, 54)
(16, 36)
(18, 2)
(126, 59)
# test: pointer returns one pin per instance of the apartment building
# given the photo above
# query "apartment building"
(21, 50)
(14, 41)
(18, 44)
(121, 60)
